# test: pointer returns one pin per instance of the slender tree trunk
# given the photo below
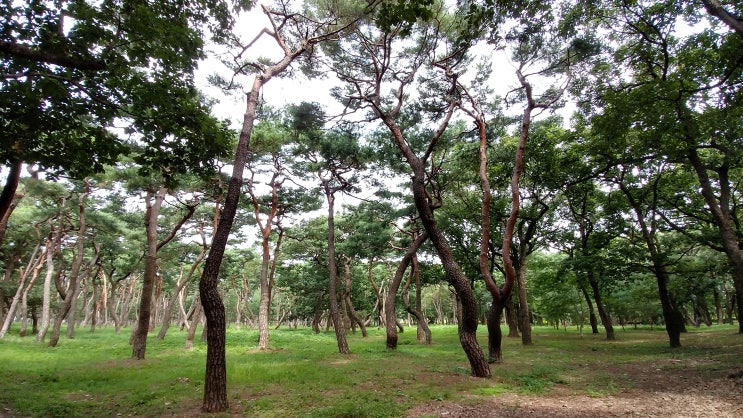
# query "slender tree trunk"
(335, 313)
(591, 314)
(8, 198)
(154, 202)
(524, 316)
(32, 271)
(389, 306)
(672, 316)
(195, 320)
(347, 295)
(605, 317)
(51, 247)
(112, 307)
(424, 333)
(177, 294)
(512, 318)
(724, 220)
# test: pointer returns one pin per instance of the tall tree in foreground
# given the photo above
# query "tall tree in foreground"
(284, 25)
(367, 78)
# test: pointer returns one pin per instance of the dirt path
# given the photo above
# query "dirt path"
(651, 393)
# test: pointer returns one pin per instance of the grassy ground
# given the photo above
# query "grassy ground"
(303, 376)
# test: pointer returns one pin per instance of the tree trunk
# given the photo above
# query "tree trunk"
(195, 320)
(154, 202)
(524, 316)
(512, 319)
(335, 313)
(424, 333)
(672, 316)
(51, 247)
(347, 295)
(591, 314)
(177, 294)
(724, 220)
(605, 317)
(495, 334)
(21, 293)
(8, 198)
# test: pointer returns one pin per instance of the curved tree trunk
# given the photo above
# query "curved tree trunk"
(591, 314)
(347, 295)
(177, 294)
(605, 317)
(424, 333)
(389, 306)
(8, 198)
(195, 320)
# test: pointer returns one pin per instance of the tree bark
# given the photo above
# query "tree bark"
(8, 198)
(424, 333)
(177, 294)
(714, 8)
(725, 222)
(154, 202)
(335, 314)
(591, 314)
(524, 316)
(389, 306)
(347, 295)
(605, 317)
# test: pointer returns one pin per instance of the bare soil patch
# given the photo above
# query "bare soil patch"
(662, 391)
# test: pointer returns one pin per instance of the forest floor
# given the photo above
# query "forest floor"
(564, 374)
(672, 388)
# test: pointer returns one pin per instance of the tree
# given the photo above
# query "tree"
(677, 90)
(71, 68)
(335, 157)
(365, 77)
(283, 22)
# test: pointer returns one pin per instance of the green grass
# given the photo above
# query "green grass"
(303, 376)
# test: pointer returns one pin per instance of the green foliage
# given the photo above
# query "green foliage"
(69, 75)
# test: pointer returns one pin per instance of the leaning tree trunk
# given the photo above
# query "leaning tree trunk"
(605, 317)
(724, 219)
(672, 316)
(51, 247)
(347, 295)
(8, 198)
(390, 317)
(424, 333)
(177, 294)
(31, 270)
(591, 314)
(70, 298)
